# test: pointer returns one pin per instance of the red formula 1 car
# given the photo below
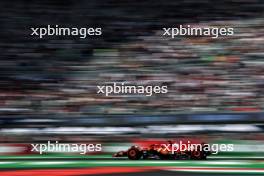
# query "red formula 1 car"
(168, 150)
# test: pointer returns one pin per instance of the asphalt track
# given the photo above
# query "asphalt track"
(167, 173)
(106, 165)
(119, 159)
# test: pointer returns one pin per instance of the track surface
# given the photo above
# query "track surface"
(105, 165)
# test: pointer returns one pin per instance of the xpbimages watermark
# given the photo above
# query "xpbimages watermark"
(56, 30)
(182, 147)
(65, 147)
(122, 88)
(188, 30)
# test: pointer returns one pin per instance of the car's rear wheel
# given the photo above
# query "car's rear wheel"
(134, 154)
(197, 155)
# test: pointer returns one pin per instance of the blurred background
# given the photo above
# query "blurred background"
(48, 86)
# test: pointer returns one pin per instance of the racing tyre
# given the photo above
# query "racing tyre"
(134, 154)
(197, 155)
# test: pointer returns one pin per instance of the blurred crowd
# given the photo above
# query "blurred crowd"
(202, 75)
(59, 77)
